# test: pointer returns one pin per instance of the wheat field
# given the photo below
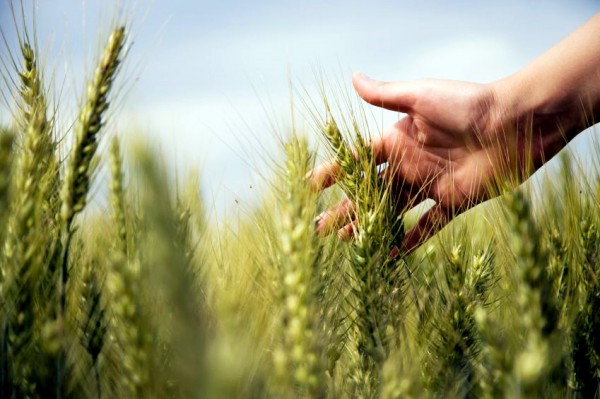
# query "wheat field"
(148, 298)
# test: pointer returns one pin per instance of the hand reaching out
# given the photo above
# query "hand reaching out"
(439, 150)
(459, 139)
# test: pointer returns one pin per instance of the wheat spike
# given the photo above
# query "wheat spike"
(91, 120)
(298, 360)
(79, 168)
(132, 326)
(117, 197)
(167, 254)
(378, 285)
(539, 314)
(6, 166)
(34, 110)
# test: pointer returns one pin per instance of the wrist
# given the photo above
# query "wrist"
(532, 121)
(560, 88)
(542, 110)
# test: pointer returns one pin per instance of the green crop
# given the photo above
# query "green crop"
(151, 299)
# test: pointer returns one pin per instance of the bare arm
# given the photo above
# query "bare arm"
(560, 90)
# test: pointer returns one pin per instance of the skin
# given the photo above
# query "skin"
(462, 143)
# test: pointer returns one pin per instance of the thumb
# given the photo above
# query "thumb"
(395, 96)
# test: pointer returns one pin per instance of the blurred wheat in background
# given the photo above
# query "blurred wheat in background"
(150, 299)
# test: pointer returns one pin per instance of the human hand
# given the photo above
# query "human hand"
(459, 139)
(449, 147)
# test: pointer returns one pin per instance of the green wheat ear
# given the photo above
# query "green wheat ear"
(540, 315)
(82, 158)
(131, 323)
(117, 197)
(167, 249)
(298, 360)
(39, 141)
(6, 165)
(350, 177)
(26, 245)
(532, 258)
(36, 162)
(91, 121)
(379, 280)
(93, 327)
(585, 335)
(32, 91)
(454, 345)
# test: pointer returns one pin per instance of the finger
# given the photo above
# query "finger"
(324, 175)
(394, 253)
(430, 223)
(335, 217)
(346, 233)
(395, 96)
(381, 149)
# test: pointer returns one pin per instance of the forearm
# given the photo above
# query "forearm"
(561, 87)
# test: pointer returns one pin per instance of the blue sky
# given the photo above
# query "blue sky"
(205, 71)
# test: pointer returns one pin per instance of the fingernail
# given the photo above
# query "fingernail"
(361, 75)
(345, 233)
